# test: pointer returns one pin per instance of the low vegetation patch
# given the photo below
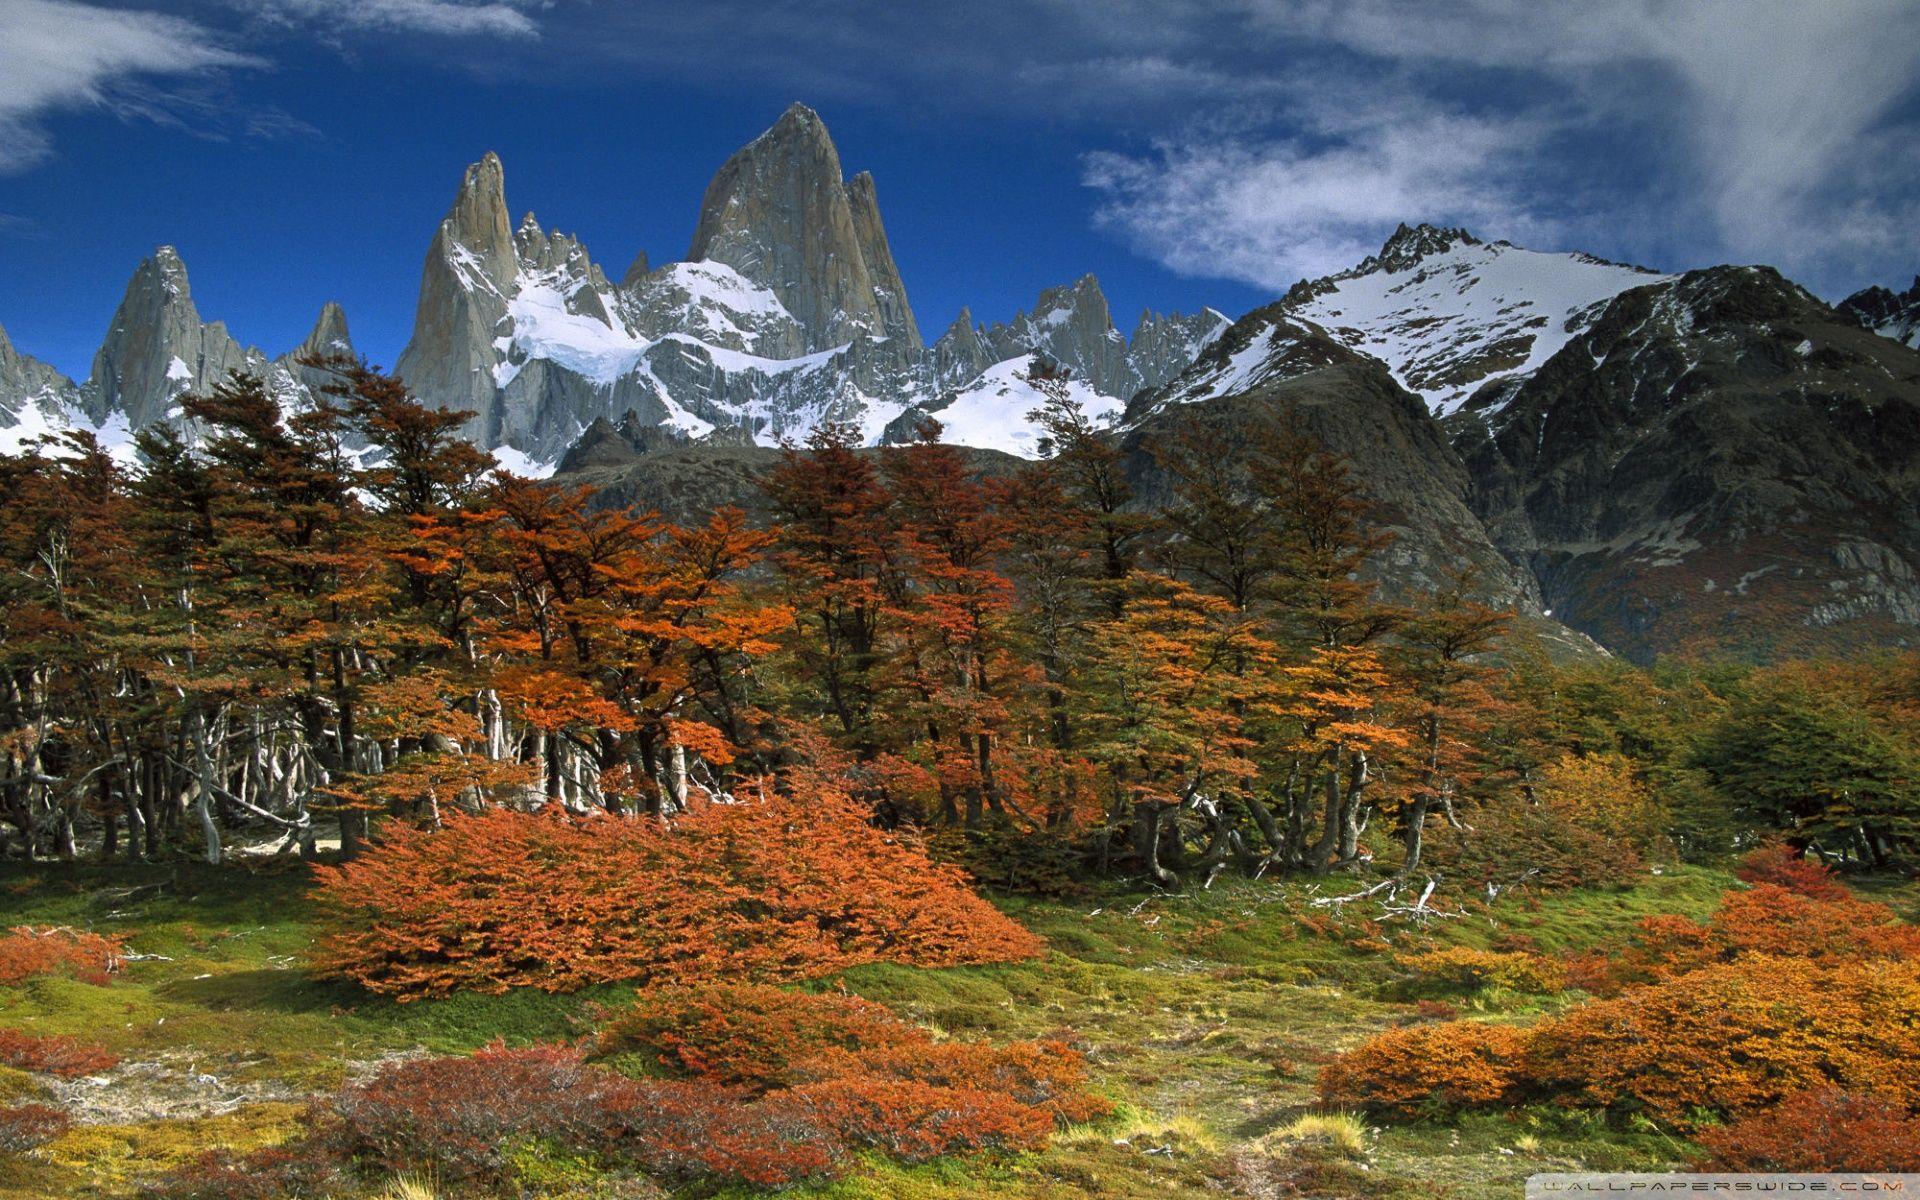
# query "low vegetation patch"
(30, 953)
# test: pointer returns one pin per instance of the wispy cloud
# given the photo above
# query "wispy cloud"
(1268, 209)
(454, 18)
(57, 55)
(15, 226)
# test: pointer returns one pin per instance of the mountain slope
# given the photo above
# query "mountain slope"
(1351, 404)
(1718, 461)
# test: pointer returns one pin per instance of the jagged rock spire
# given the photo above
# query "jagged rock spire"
(329, 334)
(780, 213)
(1407, 245)
(157, 348)
(469, 274)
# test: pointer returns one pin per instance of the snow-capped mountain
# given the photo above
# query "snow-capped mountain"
(1712, 460)
(1450, 314)
(788, 312)
(1887, 312)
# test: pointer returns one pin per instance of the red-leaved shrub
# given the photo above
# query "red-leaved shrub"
(54, 1054)
(684, 1129)
(772, 890)
(771, 1088)
(27, 953)
(1819, 1130)
(761, 1038)
(1782, 865)
(295, 1172)
(914, 1121)
(26, 1126)
(747, 1034)
(1049, 1076)
(460, 1116)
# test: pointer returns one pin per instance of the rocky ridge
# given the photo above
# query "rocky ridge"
(1887, 312)
(156, 350)
(788, 312)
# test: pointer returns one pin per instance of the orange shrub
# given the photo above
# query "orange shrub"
(759, 1038)
(1736, 1038)
(1779, 863)
(1819, 1130)
(54, 1054)
(1048, 1075)
(26, 953)
(1427, 1068)
(775, 890)
(682, 1129)
(748, 1034)
(1772, 920)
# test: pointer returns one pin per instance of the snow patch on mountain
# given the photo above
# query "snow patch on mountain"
(1449, 314)
(993, 412)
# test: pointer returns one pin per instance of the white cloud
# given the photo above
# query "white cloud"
(458, 18)
(1272, 210)
(60, 55)
(1770, 130)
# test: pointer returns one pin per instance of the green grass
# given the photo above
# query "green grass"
(1204, 1017)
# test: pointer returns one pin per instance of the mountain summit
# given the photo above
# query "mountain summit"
(780, 213)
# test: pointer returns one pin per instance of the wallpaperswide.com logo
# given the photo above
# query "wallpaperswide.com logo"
(1615, 1184)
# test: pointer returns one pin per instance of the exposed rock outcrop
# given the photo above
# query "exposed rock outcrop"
(157, 348)
(781, 214)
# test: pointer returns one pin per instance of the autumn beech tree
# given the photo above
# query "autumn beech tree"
(1440, 657)
(66, 547)
(953, 630)
(1047, 558)
(1174, 679)
(1092, 472)
(1334, 725)
(839, 561)
(1217, 532)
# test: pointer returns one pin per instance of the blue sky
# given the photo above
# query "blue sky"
(1187, 152)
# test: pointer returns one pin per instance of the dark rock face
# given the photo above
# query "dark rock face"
(464, 288)
(25, 380)
(1718, 462)
(1886, 312)
(629, 466)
